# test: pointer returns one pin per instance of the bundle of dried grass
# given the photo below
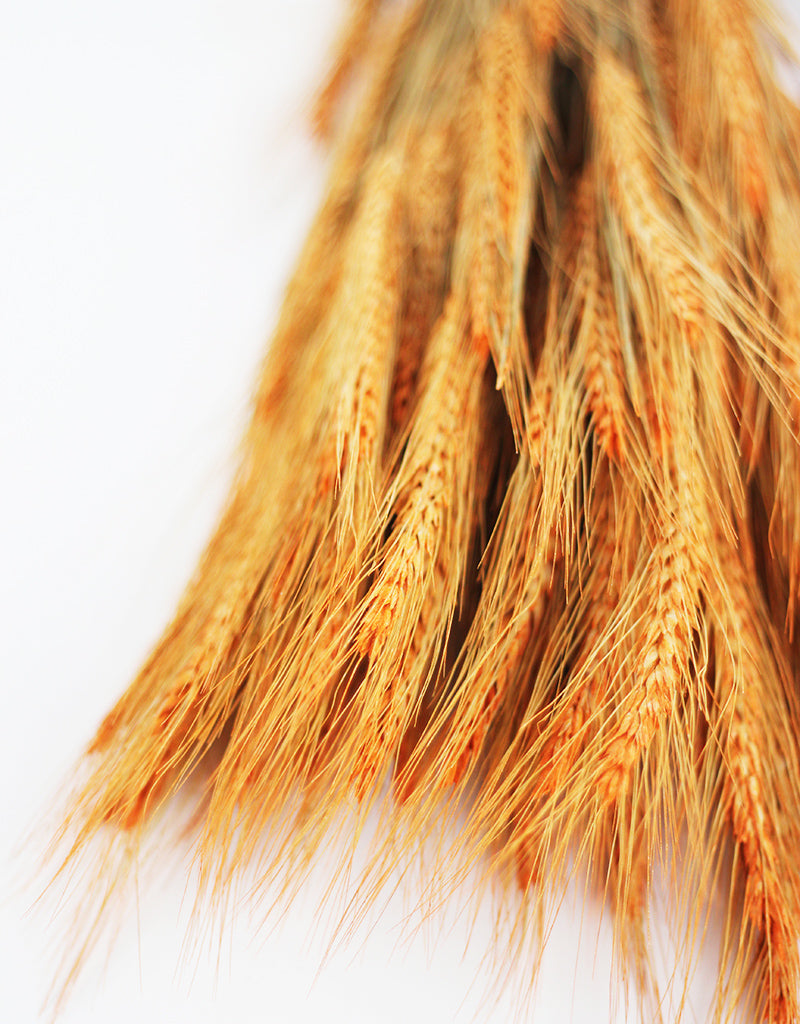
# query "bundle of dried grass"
(517, 524)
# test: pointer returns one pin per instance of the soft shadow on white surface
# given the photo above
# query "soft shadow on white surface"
(155, 186)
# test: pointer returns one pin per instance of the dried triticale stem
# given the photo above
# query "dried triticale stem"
(757, 792)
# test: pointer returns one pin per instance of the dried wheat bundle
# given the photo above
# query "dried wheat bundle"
(517, 525)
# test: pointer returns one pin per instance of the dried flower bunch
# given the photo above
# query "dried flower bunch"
(517, 525)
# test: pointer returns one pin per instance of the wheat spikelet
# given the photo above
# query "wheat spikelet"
(365, 318)
(780, 463)
(625, 153)
(592, 670)
(754, 795)
(624, 860)
(507, 132)
(604, 376)
(429, 200)
(316, 277)
(532, 539)
(182, 699)
(722, 51)
(740, 85)
(665, 657)
(426, 482)
(502, 664)
(538, 415)
(552, 336)
(314, 282)
(783, 258)
(599, 333)
(429, 531)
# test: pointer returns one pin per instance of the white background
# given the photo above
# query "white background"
(155, 185)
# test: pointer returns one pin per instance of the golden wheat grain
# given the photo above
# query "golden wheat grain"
(538, 417)
(313, 588)
(664, 661)
(365, 318)
(604, 377)
(187, 690)
(599, 331)
(507, 131)
(626, 154)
